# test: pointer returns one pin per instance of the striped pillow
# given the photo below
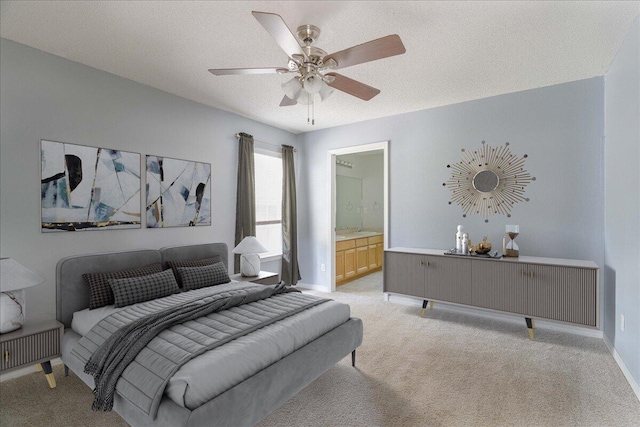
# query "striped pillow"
(100, 293)
(200, 277)
(133, 290)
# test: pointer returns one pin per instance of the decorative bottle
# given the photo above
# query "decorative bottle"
(465, 244)
(459, 235)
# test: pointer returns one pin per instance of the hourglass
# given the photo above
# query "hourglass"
(512, 249)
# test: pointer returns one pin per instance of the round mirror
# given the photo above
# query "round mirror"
(485, 181)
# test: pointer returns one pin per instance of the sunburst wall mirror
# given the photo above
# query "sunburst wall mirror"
(488, 181)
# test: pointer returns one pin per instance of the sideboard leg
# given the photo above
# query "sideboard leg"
(38, 368)
(530, 326)
(430, 305)
(424, 307)
(353, 358)
(66, 371)
(48, 373)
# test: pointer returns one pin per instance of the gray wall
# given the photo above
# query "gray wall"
(622, 201)
(43, 96)
(559, 127)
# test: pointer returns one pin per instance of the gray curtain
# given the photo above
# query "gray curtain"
(246, 194)
(290, 270)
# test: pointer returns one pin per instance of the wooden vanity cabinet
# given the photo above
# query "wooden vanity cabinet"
(358, 257)
(340, 265)
(362, 256)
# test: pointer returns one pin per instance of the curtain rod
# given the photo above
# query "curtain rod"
(264, 142)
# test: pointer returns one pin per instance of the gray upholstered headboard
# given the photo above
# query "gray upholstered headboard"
(72, 293)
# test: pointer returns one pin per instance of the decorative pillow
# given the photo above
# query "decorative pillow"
(100, 293)
(199, 277)
(191, 263)
(132, 290)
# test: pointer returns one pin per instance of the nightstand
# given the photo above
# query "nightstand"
(36, 342)
(264, 278)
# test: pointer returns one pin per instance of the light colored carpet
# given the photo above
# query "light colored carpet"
(447, 369)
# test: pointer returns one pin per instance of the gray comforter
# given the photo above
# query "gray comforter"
(139, 358)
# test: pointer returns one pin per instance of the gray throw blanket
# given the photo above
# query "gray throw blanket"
(107, 364)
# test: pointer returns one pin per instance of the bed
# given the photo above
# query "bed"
(275, 378)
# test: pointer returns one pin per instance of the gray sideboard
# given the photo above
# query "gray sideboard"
(545, 288)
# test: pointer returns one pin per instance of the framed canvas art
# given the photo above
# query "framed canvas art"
(178, 193)
(88, 188)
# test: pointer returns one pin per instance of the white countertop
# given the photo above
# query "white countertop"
(357, 235)
(522, 259)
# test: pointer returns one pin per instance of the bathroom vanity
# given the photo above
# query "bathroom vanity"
(358, 254)
(546, 288)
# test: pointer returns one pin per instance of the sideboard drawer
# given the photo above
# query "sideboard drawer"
(30, 349)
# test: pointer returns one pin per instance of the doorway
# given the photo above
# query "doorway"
(366, 225)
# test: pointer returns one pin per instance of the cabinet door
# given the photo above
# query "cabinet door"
(339, 266)
(379, 254)
(499, 285)
(349, 263)
(448, 279)
(404, 273)
(562, 293)
(373, 264)
(362, 262)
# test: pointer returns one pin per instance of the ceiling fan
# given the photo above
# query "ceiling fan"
(310, 63)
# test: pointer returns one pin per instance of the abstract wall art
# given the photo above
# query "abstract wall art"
(88, 188)
(178, 193)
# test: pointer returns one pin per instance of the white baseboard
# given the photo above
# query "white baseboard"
(26, 371)
(623, 367)
(489, 314)
(312, 287)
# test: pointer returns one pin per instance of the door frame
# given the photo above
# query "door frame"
(331, 203)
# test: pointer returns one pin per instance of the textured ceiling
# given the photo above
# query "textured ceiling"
(456, 51)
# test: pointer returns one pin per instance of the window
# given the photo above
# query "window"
(268, 169)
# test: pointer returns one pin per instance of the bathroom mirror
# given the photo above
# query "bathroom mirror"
(485, 181)
(488, 181)
(348, 202)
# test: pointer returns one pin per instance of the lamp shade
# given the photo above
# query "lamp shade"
(325, 91)
(312, 83)
(14, 276)
(249, 245)
(292, 88)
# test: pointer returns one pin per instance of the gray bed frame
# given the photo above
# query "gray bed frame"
(242, 405)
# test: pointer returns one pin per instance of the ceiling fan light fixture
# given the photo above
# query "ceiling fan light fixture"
(305, 98)
(312, 83)
(325, 91)
(292, 88)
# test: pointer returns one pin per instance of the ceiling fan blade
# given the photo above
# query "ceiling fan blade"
(370, 51)
(275, 25)
(286, 101)
(228, 71)
(352, 87)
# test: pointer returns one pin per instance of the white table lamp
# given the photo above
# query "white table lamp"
(14, 278)
(249, 248)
